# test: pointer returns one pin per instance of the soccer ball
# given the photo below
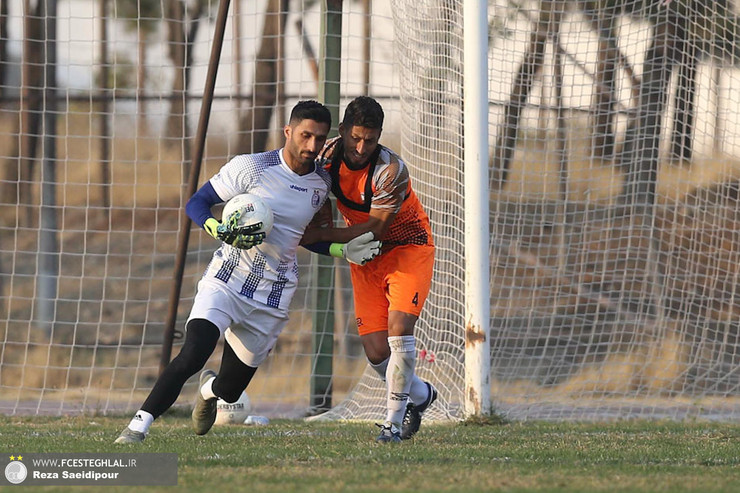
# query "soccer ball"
(254, 209)
(233, 413)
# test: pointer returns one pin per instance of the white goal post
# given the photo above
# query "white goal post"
(477, 389)
(579, 161)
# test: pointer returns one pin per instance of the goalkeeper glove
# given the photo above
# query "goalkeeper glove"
(359, 250)
(241, 237)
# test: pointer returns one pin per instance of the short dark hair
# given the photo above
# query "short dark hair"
(310, 110)
(363, 111)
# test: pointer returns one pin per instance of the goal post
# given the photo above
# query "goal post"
(477, 390)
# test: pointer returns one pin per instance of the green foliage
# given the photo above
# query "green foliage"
(456, 457)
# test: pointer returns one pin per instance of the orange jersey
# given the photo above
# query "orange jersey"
(388, 188)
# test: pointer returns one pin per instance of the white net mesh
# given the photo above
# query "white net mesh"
(614, 174)
(84, 332)
(614, 201)
(614, 165)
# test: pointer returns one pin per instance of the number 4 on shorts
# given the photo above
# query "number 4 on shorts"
(415, 301)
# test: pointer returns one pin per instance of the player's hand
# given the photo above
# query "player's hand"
(362, 249)
(242, 237)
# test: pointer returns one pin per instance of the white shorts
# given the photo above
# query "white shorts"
(251, 328)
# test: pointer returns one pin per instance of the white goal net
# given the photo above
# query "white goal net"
(92, 186)
(614, 164)
(614, 188)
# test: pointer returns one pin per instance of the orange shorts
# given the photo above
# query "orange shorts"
(396, 280)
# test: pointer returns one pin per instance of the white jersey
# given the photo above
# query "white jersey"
(268, 273)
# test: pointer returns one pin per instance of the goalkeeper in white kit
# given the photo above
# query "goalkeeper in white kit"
(247, 287)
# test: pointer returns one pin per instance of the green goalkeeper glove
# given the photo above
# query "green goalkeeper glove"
(359, 250)
(241, 237)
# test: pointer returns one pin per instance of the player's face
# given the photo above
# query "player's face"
(304, 141)
(359, 144)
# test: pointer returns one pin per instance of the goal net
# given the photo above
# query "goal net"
(614, 165)
(96, 142)
(613, 204)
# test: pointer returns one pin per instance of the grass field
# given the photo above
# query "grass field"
(295, 456)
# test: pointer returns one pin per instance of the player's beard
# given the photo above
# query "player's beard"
(302, 158)
(354, 161)
(306, 158)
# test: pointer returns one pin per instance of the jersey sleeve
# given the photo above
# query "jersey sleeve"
(199, 206)
(235, 177)
(390, 182)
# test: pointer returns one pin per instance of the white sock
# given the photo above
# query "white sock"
(398, 376)
(206, 389)
(419, 391)
(380, 368)
(141, 422)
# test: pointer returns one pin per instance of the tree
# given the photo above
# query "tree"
(254, 125)
(19, 169)
(143, 18)
(183, 22)
(4, 9)
(682, 31)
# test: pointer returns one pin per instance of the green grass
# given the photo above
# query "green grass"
(457, 457)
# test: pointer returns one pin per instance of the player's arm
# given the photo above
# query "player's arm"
(378, 222)
(357, 250)
(384, 210)
(390, 186)
(199, 206)
(198, 209)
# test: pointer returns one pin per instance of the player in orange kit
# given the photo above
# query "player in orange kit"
(373, 190)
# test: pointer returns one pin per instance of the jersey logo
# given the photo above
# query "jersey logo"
(300, 189)
(315, 199)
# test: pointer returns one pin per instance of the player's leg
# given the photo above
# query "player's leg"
(394, 358)
(248, 340)
(420, 393)
(401, 365)
(232, 378)
(200, 340)
(371, 311)
(408, 287)
(372, 305)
